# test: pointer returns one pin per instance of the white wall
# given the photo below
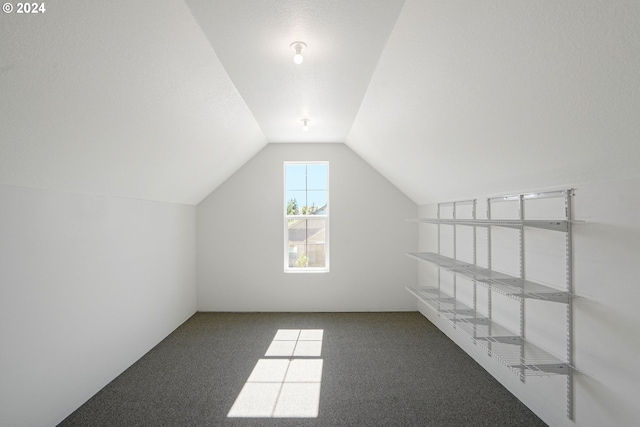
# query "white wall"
(241, 239)
(606, 318)
(87, 285)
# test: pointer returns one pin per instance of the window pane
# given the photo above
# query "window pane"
(307, 245)
(296, 177)
(317, 177)
(317, 201)
(300, 200)
(316, 242)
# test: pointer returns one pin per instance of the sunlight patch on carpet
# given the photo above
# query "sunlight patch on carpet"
(284, 387)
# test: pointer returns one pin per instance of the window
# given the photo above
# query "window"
(306, 216)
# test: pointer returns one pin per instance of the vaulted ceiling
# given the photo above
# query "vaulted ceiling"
(164, 100)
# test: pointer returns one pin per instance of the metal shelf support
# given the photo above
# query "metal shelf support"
(511, 349)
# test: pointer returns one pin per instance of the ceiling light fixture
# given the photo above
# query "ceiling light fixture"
(298, 47)
(305, 124)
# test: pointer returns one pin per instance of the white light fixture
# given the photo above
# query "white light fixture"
(305, 124)
(298, 47)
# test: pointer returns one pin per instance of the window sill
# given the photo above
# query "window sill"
(307, 270)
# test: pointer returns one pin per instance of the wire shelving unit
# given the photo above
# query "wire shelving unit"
(511, 348)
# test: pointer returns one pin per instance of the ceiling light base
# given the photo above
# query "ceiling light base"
(298, 47)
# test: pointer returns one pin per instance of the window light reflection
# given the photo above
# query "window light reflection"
(284, 388)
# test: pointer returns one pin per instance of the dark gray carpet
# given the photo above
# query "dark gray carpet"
(380, 369)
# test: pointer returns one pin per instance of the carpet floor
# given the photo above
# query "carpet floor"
(378, 369)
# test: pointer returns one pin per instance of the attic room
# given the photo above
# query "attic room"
(166, 168)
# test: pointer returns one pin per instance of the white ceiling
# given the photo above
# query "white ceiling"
(344, 42)
(164, 100)
(123, 98)
(485, 97)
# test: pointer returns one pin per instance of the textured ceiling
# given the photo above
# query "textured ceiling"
(344, 42)
(164, 100)
(483, 97)
(122, 98)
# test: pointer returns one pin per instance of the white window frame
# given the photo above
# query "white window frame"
(286, 218)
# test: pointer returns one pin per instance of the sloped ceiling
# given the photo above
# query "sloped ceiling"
(164, 100)
(484, 97)
(122, 98)
(344, 43)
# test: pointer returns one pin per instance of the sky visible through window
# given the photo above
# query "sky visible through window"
(306, 217)
(307, 184)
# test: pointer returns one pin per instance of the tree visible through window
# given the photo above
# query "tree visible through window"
(306, 219)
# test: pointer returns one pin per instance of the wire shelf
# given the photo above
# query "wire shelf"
(505, 284)
(521, 356)
(549, 224)
(546, 218)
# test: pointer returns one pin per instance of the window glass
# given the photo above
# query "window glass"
(306, 214)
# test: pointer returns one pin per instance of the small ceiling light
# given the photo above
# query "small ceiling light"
(305, 124)
(298, 47)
